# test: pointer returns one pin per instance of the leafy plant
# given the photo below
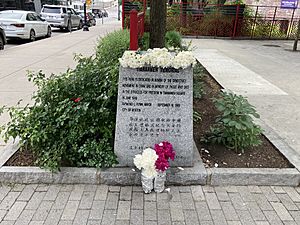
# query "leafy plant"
(198, 85)
(173, 10)
(144, 42)
(234, 2)
(235, 127)
(196, 116)
(72, 119)
(173, 39)
(265, 29)
(173, 23)
(198, 90)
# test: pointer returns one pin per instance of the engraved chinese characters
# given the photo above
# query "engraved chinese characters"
(154, 104)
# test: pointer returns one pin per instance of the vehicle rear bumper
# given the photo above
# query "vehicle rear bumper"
(57, 23)
(21, 34)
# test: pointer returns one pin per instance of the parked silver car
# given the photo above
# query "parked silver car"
(62, 17)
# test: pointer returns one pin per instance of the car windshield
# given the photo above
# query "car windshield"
(11, 15)
(51, 10)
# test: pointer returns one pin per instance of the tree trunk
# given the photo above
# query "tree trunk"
(158, 13)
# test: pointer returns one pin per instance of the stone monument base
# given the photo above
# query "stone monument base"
(175, 176)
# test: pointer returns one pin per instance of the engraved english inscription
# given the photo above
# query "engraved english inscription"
(154, 104)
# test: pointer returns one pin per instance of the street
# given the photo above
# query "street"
(112, 15)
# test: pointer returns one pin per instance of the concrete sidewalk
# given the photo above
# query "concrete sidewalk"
(52, 55)
(267, 72)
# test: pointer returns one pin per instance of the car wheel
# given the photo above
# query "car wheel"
(69, 27)
(49, 32)
(32, 35)
(1, 43)
(80, 25)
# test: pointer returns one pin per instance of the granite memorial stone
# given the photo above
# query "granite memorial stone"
(154, 105)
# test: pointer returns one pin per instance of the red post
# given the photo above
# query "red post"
(133, 30)
(236, 20)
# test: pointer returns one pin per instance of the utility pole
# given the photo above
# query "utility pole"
(85, 26)
(102, 10)
(37, 6)
(119, 18)
(297, 37)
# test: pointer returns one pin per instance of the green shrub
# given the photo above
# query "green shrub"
(173, 39)
(72, 120)
(144, 42)
(173, 23)
(198, 89)
(174, 10)
(198, 85)
(235, 127)
(196, 116)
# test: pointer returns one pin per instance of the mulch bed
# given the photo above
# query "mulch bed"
(23, 157)
(264, 156)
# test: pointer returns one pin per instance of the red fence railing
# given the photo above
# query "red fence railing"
(248, 21)
(127, 6)
(136, 28)
(235, 21)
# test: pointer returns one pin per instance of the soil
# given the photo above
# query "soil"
(23, 157)
(264, 156)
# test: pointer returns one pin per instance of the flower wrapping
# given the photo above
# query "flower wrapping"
(154, 163)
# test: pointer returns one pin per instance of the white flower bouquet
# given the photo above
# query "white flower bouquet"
(154, 163)
(158, 57)
(146, 162)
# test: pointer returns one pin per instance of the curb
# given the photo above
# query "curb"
(288, 152)
(196, 175)
(254, 176)
(110, 176)
(260, 176)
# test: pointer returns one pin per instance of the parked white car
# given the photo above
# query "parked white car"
(24, 25)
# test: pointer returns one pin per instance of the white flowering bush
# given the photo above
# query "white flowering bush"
(158, 57)
(146, 162)
(183, 60)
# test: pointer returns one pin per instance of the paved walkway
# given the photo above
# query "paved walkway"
(267, 72)
(113, 205)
